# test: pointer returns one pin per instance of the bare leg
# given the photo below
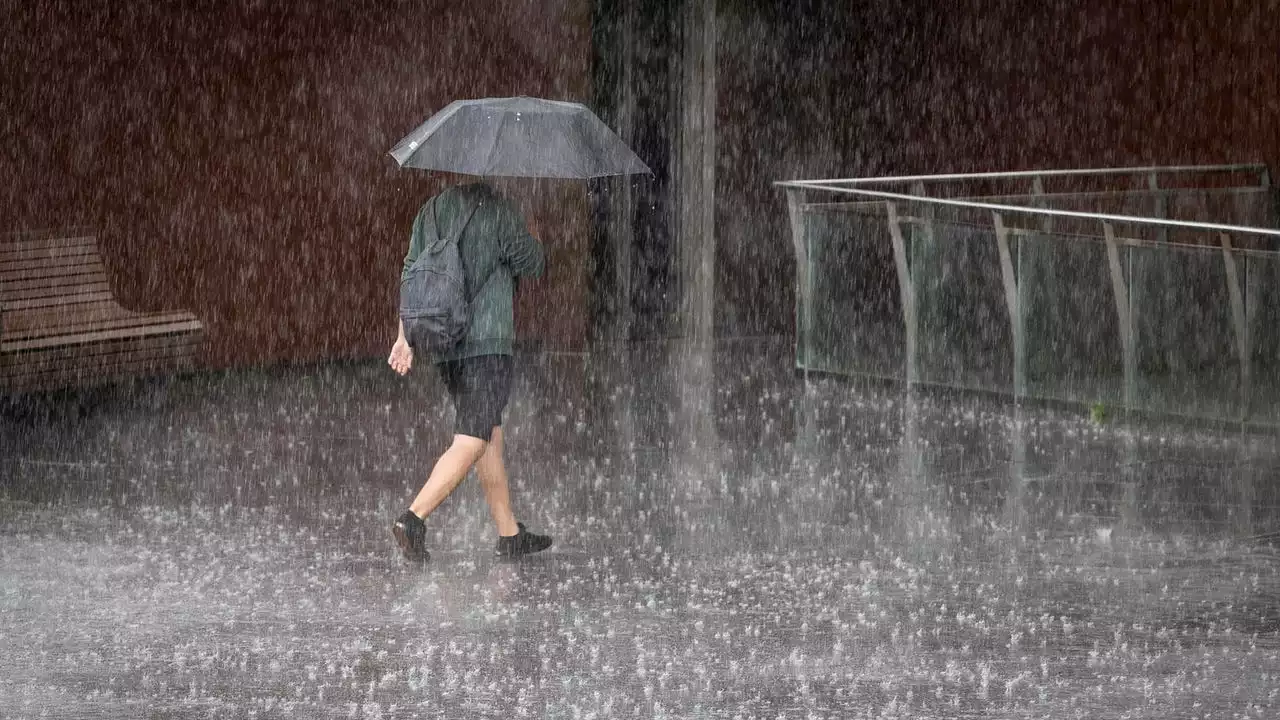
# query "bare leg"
(450, 469)
(493, 478)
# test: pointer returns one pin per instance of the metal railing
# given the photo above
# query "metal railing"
(1151, 174)
(853, 186)
(916, 220)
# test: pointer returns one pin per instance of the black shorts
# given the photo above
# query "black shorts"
(479, 387)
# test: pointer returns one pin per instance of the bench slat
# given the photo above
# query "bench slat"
(38, 286)
(46, 243)
(72, 295)
(35, 278)
(51, 265)
(51, 261)
(85, 312)
(53, 359)
(27, 282)
(72, 254)
(57, 301)
(73, 325)
(86, 352)
(188, 326)
(100, 308)
(53, 291)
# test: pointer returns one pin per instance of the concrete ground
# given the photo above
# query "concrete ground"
(731, 542)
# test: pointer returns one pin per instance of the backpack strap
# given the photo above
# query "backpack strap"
(457, 236)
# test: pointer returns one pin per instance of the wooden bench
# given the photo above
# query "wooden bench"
(60, 325)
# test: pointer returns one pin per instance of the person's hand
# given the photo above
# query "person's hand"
(401, 356)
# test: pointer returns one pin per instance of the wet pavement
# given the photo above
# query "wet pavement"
(731, 542)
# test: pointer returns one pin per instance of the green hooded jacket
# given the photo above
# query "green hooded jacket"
(496, 248)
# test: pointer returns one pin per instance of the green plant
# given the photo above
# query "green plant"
(1098, 413)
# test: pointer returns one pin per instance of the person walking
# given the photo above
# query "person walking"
(496, 248)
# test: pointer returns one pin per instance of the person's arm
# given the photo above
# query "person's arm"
(401, 358)
(521, 251)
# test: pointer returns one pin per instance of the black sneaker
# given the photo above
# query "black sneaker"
(411, 535)
(522, 543)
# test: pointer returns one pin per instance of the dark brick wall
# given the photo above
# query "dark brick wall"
(231, 154)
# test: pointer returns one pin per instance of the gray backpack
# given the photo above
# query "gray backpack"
(434, 304)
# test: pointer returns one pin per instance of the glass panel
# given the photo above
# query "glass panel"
(1072, 331)
(856, 322)
(1185, 342)
(1262, 302)
(966, 338)
(1188, 362)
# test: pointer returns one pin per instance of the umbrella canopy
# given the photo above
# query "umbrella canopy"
(517, 137)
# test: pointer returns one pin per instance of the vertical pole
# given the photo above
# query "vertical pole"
(1162, 204)
(907, 290)
(1239, 322)
(1037, 188)
(622, 223)
(623, 215)
(924, 253)
(1124, 316)
(613, 40)
(1012, 301)
(622, 202)
(696, 241)
(1149, 277)
(695, 164)
(707, 219)
(804, 283)
(1037, 267)
(1129, 504)
(1264, 180)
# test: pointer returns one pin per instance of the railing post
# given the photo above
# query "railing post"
(1162, 204)
(1124, 316)
(1264, 181)
(804, 282)
(1240, 323)
(1013, 301)
(907, 290)
(1037, 189)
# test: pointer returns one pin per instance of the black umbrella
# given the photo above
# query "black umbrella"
(517, 137)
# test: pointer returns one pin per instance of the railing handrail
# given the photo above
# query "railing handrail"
(1104, 217)
(1023, 174)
